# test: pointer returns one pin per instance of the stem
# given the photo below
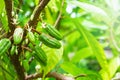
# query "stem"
(38, 9)
(59, 15)
(4, 34)
(19, 6)
(9, 9)
(81, 75)
(26, 48)
(55, 75)
(36, 31)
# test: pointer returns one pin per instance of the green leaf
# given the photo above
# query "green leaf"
(94, 25)
(4, 21)
(36, 2)
(1, 6)
(54, 56)
(95, 46)
(71, 68)
(75, 71)
(49, 16)
(94, 10)
(114, 64)
(81, 54)
(104, 74)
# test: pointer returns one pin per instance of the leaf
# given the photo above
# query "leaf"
(75, 71)
(1, 6)
(95, 46)
(81, 54)
(114, 64)
(4, 21)
(3, 17)
(49, 16)
(74, 44)
(94, 10)
(93, 25)
(104, 74)
(36, 2)
(71, 68)
(54, 56)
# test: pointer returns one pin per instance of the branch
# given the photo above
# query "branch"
(19, 69)
(19, 5)
(81, 75)
(59, 15)
(36, 31)
(8, 7)
(51, 74)
(38, 9)
(3, 35)
(26, 48)
(40, 1)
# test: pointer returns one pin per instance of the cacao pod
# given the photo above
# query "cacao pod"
(18, 35)
(53, 32)
(13, 49)
(5, 44)
(50, 42)
(31, 37)
(40, 55)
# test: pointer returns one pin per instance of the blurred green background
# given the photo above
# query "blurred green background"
(91, 37)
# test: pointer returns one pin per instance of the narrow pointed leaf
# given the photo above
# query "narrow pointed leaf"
(95, 46)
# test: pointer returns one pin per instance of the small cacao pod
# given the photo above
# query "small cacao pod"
(50, 42)
(18, 35)
(40, 55)
(31, 37)
(13, 49)
(52, 31)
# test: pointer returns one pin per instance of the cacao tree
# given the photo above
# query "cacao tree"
(59, 39)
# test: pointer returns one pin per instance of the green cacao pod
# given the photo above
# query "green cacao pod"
(18, 35)
(5, 44)
(40, 55)
(53, 32)
(31, 37)
(13, 49)
(50, 42)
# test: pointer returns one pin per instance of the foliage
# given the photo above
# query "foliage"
(90, 43)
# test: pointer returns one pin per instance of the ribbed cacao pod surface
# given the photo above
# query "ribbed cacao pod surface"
(5, 44)
(52, 31)
(50, 42)
(40, 55)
